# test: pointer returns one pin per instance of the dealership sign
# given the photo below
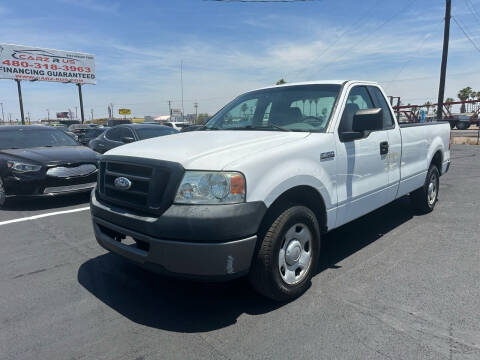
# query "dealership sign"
(28, 63)
(124, 111)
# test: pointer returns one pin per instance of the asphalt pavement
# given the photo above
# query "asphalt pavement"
(392, 285)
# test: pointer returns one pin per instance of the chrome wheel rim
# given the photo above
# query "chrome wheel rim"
(432, 189)
(295, 256)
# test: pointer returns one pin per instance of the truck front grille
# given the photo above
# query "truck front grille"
(153, 183)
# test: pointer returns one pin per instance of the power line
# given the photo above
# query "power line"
(472, 9)
(362, 41)
(466, 35)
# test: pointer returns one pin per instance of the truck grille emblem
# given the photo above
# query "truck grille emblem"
(122, 183)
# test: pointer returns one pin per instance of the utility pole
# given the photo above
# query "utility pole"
(48, 115)
(3, 116)
(28, 117)
(443, 71)
(170, 108)
(20, 100)
(81, 103)
(195, 105)
(91, 110)
(181, 83)
(76, 112)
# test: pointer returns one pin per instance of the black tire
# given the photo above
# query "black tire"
(423, 198)
(3, 193)
(265, 275)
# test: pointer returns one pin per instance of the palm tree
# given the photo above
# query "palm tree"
(464, 95)
(244, 109)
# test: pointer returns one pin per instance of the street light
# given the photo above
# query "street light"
(48, 115)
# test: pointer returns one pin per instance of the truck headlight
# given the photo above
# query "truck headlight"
(23, 167)
(211, 187)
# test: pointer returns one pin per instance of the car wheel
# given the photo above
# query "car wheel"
(426, 197)
(288, 255)
(3, 193)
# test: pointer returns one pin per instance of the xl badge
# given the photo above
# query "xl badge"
(122, 183)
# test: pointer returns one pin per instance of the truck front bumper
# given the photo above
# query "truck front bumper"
(218, 242)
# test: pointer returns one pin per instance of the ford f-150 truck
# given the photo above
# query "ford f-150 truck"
(253, 192)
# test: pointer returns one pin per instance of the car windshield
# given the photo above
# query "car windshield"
(304, 108)
(30, 138)
(151, 132)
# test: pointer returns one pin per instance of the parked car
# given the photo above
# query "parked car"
(256, 199)
(79, 129)
(127, 133)
(91, 134)
(177, 125)
(41, 160)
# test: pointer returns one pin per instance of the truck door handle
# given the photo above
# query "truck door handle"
(384, 148)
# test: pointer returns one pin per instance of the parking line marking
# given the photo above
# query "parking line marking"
(35, 217)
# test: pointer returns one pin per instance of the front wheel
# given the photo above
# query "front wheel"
(426, 197)
(288, 255)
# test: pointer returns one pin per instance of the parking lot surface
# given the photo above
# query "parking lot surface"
(391, 285)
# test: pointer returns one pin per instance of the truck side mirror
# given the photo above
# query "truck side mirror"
(368, 120)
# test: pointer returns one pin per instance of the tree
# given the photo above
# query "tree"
(202, 118)
(281, 82)
(244, 109)
(464, 95)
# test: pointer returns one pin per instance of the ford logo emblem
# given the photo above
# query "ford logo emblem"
(122, 183)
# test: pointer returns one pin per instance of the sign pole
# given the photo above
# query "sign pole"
(81, 102)
(19, 87)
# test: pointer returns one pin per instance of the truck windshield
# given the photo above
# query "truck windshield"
(24, 139)
(306, 108)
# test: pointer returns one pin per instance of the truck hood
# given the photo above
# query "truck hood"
(212, 150)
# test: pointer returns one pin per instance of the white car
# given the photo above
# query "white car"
(254, 197)
(177, 125)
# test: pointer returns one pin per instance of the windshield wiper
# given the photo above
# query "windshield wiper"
(260, 127)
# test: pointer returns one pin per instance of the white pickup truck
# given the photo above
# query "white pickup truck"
(253, 192)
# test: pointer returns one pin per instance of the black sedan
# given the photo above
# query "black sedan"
(37, 160)
(91, 134)
(127, 133)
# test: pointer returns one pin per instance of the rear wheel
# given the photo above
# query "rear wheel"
(462, 125)
(288, 255)
(3, 193)
(426, 197)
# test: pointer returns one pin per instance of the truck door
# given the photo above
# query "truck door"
(394, 142)
(362, 173)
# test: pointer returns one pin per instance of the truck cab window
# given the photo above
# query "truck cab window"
(358, 99)
(382, 103)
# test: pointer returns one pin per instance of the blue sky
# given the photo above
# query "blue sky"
(231, 47)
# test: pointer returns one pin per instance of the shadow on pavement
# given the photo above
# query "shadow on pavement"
(45, 203)
(184, 306)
